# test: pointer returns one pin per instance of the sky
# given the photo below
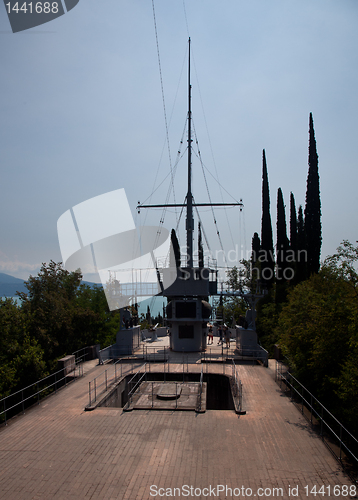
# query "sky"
(82, 115)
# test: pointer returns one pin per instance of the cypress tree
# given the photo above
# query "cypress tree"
(293, 235)
(293, 225)
(301, 267)
(255, 248)
(313, 226)
(266, 252)
(282, 248)
(200, 248)
(176, 250)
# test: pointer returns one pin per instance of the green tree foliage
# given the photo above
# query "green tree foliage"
(317, 329)
(57, 316)
(21, 357)
(266, 254)
(234, 306)
(64, 315)
(266, 322)
(313, 226)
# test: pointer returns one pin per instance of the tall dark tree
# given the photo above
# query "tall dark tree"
(255, 248)
(282, 275)
(301, 264)
(293, 224)
(266, 252)
(313, 227)
(293, 236)
(175, 254)
(200, 248)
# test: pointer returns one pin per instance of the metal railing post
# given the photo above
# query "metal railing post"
(95, 389)
(56, 382)
(5, 410)
(38, 393)
(302, 401)
(22, 398)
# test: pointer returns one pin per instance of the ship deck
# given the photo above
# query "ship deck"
(57, 450)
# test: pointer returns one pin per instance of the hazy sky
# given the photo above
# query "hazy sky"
(82, 114)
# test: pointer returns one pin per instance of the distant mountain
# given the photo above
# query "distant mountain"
(9, 285)
(6, 278)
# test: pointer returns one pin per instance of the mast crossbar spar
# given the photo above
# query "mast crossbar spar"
(189, 197)
(171, 205)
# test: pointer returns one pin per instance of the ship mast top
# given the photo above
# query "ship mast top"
(189, 196)
(189, 204)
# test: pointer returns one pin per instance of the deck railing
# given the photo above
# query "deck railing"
(20, 400)
(342, 444)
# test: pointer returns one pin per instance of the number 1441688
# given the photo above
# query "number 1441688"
(33, 7)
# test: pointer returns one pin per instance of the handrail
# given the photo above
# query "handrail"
(23, 400)
(130, 393)
(286, 377)
(237, 385)
(93, 386)
(200, 389)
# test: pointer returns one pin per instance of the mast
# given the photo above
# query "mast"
(189, 196)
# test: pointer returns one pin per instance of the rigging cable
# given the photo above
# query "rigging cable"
(186, 19)
(211, 150)
(207, 189)
(163, 99)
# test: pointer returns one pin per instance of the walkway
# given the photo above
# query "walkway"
(59, 451)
